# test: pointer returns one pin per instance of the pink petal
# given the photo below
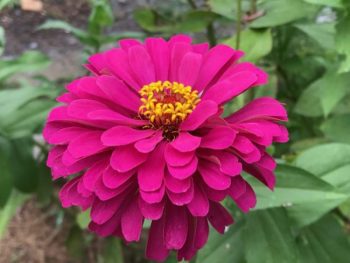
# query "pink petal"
(175, 158)
(247, 200)
(141, 64)
(181, 199)
(176, 227)
(229, 163)
(202, 232)
(91, 176)
(123, 135)
(151, 211)
(175, 185)
(189, 68)
(156, 249)
(214, 61)
(183, 172)
(226, 90)
(212, 176)
(186, 142)
(264, 175)
(115, 117)
(102, 211)
(128, 42)
(151, 173)
(119, 93)
(200, 48)
(199, 206)
(178, 51)
(132, 221)
(159, 51)
(219, 217)
(113, 179)
(237, 188)
(147, 145)
(107, 228)
(154, 196)
(65, 135)
(86, 144)
(203, 111)
(126, 158)
(219, 138)
(104, 193)
(80, 108)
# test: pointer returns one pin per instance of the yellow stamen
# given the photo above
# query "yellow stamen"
(167, 103)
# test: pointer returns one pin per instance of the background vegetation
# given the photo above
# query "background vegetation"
(304, 45)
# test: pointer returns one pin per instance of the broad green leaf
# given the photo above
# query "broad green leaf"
(324, 242)
(323, 34)
(332, 3)
(337, 128)
(279, 12)
(146, 18)
(194, 21)
(27, 62)
(324, 93)
(6, 182)
(227, 8)
(225, 248)
(305, 196)
(342, 40)
(2, 40)
(9, 210)
(304, 144)
(83, 219)
(331, 162)
(112, 251)
(255, 43)
(268, 237)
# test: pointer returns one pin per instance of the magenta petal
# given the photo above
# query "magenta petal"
(247, 200)
(154, 196)
(104, 193)
(176, 227)
(183, 172)
(159, 51)
(189, 68)
(184, 198)
(226, 90)
(175, 185)
(151, 211)
(147, 145)
(107, 228)
(125, 158)
(80, 108)
(113, 179)
(128, 42)
(151, 173)
(202, 232)
(175, 158)
(65, 135)
(203, 111)
(237, 188)
(178, 51)
(219, 217)
(156, 249)
(219, 138)
(86, 144)
(123, 135)
(114, 117)
(213, 177)
(141, 64)
(213, 62)
(102, 211)
(91, 176)
(186, 142)
(229, 163)
(199, 206)
(132, 221)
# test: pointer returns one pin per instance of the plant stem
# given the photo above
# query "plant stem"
(253, 7)
(192, 4)
(211, 35)
(238, 26)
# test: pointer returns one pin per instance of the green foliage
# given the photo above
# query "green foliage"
(2, 40)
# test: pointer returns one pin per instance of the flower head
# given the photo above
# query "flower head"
(145, 137)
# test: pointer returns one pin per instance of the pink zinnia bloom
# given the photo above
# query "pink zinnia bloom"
(145, 137)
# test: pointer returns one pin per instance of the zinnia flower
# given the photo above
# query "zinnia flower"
(145, 138)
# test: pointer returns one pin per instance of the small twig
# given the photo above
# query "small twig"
(239, 20)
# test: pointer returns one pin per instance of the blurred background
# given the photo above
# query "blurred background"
(304, 45)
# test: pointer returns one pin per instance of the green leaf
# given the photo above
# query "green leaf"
(342, 40)
(75, 242)
(5, 3)
(83, 219)
(225, 248)
(45, 185)
(268, 238)
(2, 40)
(194, 21)
(112, 251)
(6, 213)
(6, 182)
(270, 89)
(337, 128)
(27, 62)
(305, 196)
(59, 24)
(332, 3)
(323, 34)
(146, 18)
(279, 12)
(324, 242)
(319, 98)
(255, 43)
(331, 162)
(227, 8)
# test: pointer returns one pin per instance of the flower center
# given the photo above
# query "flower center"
(166, 104)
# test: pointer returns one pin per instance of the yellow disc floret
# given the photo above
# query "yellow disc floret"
(167, 103)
